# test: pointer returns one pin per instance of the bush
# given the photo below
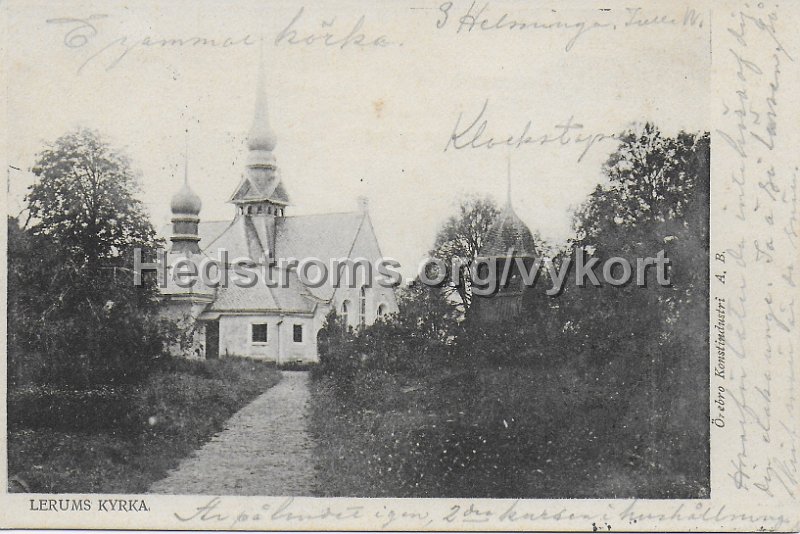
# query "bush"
(120, 439)
(83, 353)
(388, 346)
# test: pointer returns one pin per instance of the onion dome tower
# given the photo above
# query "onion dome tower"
(185, 206)
(508, 241)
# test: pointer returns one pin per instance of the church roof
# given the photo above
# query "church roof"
(324, 236)
(508, 233)
(241, 239)
(290, 298)
(207, 230)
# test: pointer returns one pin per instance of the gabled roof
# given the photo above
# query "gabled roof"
(207, 230)
(240, 239)
(325, 236)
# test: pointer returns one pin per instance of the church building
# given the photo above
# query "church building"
(275, 322)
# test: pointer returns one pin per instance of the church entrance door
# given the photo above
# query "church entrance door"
(212, 340)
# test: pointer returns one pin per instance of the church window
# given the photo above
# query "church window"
(269, 210)
(346, 312)
(259, 209)
(259, 334)
(362, 310)
(249, 210)
(297, 333)
(381, 310)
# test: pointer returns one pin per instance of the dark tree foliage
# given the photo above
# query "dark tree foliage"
(621, 372)
(75, 315)
(85, 200)
(657, 199)
(462, 237)
(656, 338)
(413, 341)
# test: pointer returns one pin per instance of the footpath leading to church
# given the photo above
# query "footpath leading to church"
(265, 449)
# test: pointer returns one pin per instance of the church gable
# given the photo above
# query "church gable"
(365, 245)
(326, 237)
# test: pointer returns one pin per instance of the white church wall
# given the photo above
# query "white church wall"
(365, 246)
(236, 337)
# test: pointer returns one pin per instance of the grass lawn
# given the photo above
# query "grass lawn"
(122, 439)
(492, 431)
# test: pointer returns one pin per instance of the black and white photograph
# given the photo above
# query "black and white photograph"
(401, 265)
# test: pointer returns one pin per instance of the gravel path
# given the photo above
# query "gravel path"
(265, 449)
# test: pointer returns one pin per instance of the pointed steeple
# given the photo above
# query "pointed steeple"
(260, 191)
(508, 233)
(508, 192)
(262, 138)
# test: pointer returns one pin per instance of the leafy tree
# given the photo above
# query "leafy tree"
(461, 239)
(656, 337)
(656, 199)
(74, 307)
(425, 312)
(85, 200)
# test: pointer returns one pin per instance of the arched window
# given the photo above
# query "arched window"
(346, 313)
(269, 210)
(381, 310)
(362, 308)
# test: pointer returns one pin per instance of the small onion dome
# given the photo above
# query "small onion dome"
(186, 201)
(261, 136)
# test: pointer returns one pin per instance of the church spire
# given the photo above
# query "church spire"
(186, 159)
(260, 191)
(261, 139)
(508, 190)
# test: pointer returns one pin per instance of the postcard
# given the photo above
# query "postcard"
(463, 265)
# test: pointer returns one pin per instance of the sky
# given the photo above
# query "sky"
(373, 119)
